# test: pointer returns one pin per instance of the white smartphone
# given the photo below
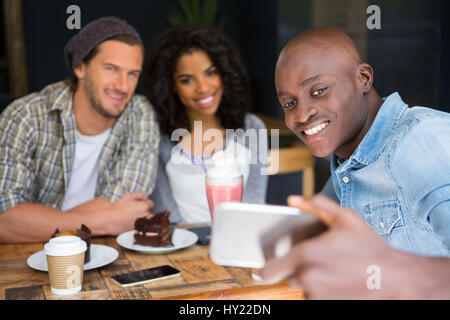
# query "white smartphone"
(143, 276)
(247, 235)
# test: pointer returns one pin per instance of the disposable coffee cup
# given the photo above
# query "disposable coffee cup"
(65, 261)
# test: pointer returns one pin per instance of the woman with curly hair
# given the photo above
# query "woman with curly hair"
(200, 91)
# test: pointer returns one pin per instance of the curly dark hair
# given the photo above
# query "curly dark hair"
(162, 59)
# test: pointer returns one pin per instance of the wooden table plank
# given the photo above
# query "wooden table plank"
(243, 275)
(193, 288)
(19, 251)
(93, 280)
(15, 266)
(133, 293)
(13, 279)
(25, 293)
(279, 291)
(196, 266)
(84, 295)
(201, 278)
(141, 261)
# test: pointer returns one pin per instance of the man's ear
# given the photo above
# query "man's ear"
(365, 76)
(80, 70)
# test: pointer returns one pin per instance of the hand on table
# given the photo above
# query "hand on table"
(126, 210)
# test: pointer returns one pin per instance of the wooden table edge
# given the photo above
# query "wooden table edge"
(278, 291)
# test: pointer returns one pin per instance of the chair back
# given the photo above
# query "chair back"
(293, 159)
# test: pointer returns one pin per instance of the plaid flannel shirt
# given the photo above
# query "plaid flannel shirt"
(37, 147)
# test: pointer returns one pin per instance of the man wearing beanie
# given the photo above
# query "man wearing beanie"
(83, 150)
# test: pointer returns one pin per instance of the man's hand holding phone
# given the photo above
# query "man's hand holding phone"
(246, 234)
(334, 265)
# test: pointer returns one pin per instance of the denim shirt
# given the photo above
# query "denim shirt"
(398, 178)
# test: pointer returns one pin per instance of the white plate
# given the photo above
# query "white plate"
(100, 256)
(180, 238)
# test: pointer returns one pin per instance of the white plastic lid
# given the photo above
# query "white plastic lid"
(65, 246)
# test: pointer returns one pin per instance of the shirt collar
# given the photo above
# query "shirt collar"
(60, 97)
(381, 129)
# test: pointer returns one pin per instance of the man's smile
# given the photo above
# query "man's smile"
(116, 96)
(315, 129)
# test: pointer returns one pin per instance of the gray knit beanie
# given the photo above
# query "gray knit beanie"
(97, 31)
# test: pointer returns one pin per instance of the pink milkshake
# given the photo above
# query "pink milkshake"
(224, 181)
(218, 193)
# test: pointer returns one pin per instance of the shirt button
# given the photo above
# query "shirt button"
(345, 179)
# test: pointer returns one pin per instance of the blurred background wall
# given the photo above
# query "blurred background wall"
(409, 54)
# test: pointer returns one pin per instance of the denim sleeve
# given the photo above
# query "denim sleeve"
(420, 166)
(440, 217)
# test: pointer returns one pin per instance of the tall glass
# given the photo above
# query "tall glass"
(223, 189)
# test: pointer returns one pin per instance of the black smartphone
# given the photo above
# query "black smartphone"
(203, 233)
(143, 276)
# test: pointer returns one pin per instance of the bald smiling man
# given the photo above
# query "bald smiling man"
(323, 86)
(389, 164)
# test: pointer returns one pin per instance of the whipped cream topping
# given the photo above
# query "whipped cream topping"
(224, 166)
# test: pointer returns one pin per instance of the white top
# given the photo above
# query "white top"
(83, 179)
(187, 181)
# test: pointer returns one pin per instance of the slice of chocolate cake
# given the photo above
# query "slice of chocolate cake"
(84, 233)
(154, 231)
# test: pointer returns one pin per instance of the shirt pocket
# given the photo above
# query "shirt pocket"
(384, 216)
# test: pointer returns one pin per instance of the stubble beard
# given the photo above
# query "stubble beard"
(91, 89)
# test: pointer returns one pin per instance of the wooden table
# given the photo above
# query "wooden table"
(201, 278)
